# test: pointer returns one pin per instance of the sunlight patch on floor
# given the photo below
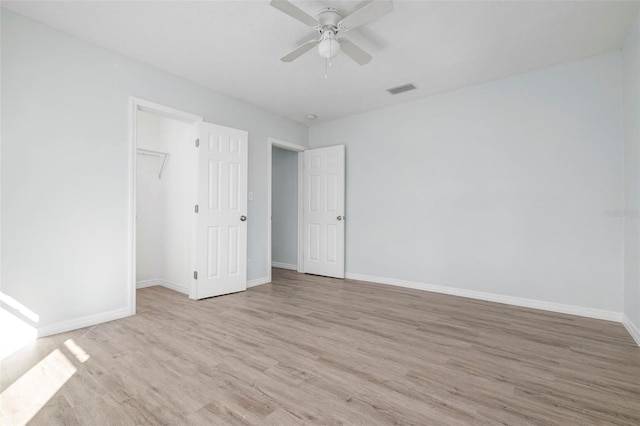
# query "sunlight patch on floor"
(27, 395)
(76, 350)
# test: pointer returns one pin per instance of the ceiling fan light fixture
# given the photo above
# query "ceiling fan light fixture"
(328, 47)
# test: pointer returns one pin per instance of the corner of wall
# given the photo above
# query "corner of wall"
(631, 135)
(633, 330)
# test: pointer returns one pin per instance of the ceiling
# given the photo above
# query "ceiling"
(234, 47)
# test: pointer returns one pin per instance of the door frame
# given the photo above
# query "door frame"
(135, 105)
(271, 142)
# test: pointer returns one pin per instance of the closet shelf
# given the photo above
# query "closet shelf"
(152, 153)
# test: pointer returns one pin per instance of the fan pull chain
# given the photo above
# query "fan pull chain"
(326, 69)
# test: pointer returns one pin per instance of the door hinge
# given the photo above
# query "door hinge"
(197, 143)
(195, 275)
(197, 208)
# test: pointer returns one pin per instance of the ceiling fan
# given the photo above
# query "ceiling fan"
(330, 23)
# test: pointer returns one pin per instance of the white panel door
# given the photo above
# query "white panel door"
(221, 220)
(324, 211)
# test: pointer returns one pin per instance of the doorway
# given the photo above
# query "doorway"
(284, 235)
(164, 191)
(320, 230)
(188, 186)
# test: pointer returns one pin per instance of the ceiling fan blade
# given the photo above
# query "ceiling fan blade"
(354, 52)
(366, 14)
(300, 51)
(295, 12)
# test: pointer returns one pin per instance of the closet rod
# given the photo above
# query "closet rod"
(152, 153)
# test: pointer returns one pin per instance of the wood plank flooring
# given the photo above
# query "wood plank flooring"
(311, 350)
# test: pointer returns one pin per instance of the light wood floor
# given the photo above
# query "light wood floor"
(310, 350)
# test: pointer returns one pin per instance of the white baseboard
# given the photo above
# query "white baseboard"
(284, 266)
(164, 283)
(258, 281)
(174, 286)
(509, 300)
(183, 289)
(147, 283)
(633, 330)
(89, 320)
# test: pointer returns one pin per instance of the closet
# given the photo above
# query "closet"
(163, 206)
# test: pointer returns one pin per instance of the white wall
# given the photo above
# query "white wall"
(66, 169)
(150, 219)
(284, 207)
(164, 207)
(631, 54)
(499, 188)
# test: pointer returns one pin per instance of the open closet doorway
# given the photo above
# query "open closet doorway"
(164, 199)
(285, 162)
(188, 203)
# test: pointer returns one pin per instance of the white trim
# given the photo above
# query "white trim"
(509, 300)
(147, 283)
(133, 167)
(135, 105)
(73, 324)
(631, 328)
(192, 225)
(271, 142)
(175, 286)
(154, 108)
(284, 266)
(300, 212)
(163, 283)
(258, 281)
(286, 145)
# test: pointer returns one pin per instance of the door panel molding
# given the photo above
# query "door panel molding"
(323, 211)
(221, 227)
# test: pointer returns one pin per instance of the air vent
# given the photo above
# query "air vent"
(401, 89)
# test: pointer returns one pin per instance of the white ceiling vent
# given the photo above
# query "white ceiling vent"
(401, 89)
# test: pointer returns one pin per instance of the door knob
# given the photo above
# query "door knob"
(339, 218)
(243, 218)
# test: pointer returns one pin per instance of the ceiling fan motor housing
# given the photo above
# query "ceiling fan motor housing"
(328, 46)
(328, 18)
